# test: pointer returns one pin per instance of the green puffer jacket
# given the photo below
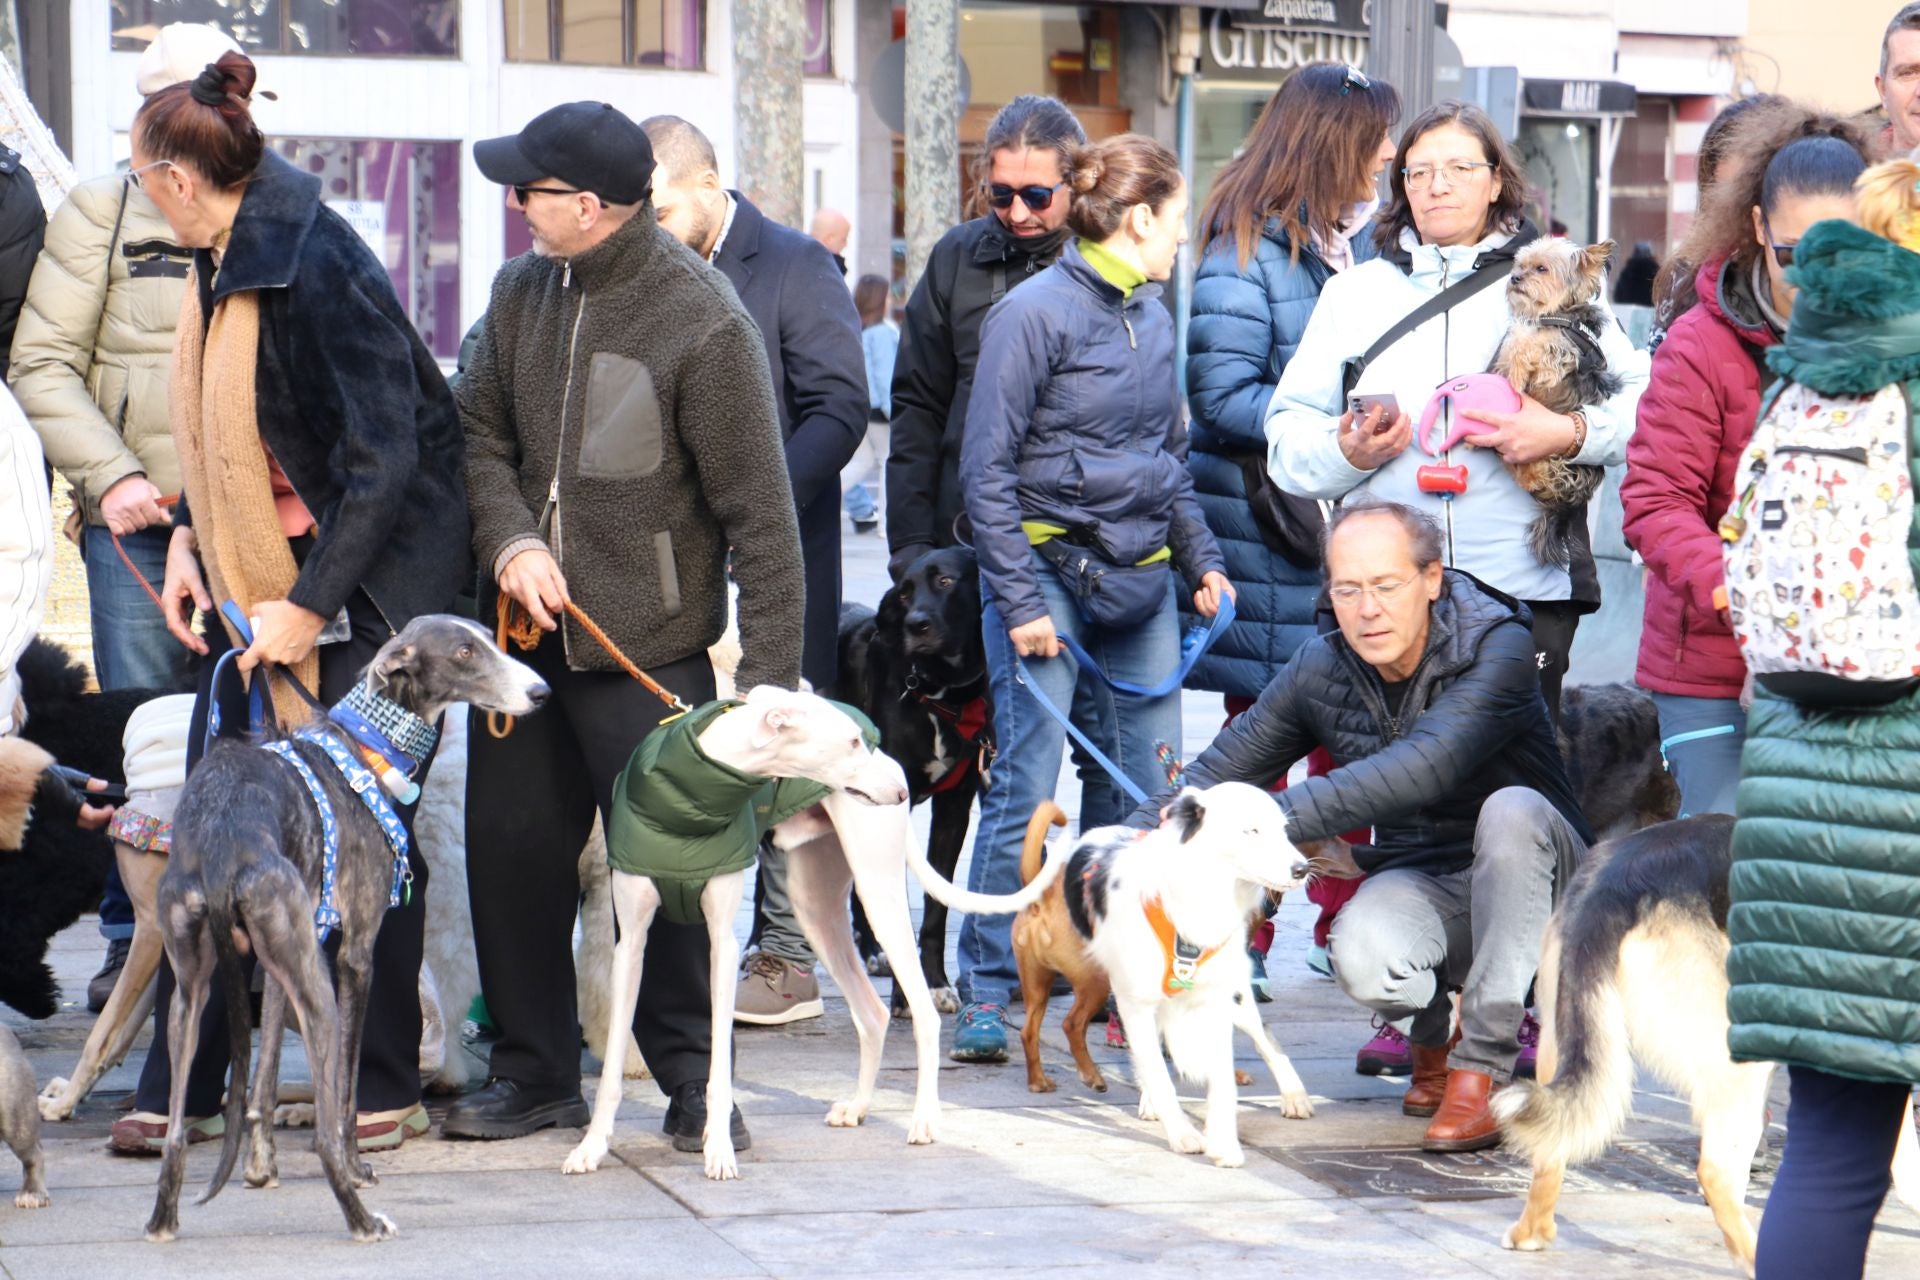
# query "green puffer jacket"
(681, 818)
(1825, 892)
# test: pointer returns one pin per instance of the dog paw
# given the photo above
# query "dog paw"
(1147, 1111)
(1094, 1081)
(55, 1087)
(586, 1157)
(1242, 1078)
(1521, 1241)
(362, 1173)
(720, 1162)
(877, 966)
(846, 1115)
(262, 1179)
(293, 1115)
(1187, 1141)
(924, 1129)
(32, 1200)
(382, 1228)
(635, 1069)
(1227, 1155)
(1296, 1105)
(1041, 1083)
(161, 1235)
(946, 1000)
(52, 1109)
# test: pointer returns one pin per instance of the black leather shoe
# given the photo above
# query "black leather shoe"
(100, 986)
(509, 1109)
(686, 1120)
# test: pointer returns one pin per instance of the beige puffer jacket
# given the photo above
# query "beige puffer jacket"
(96, 389)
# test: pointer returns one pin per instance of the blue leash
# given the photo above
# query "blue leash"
(1196, 645)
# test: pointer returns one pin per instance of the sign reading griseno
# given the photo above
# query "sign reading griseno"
(1285, 35)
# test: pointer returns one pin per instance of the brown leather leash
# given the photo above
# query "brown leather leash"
(166, 500)
(517, 625)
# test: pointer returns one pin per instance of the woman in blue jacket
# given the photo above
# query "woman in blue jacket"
(1286, 215)
(1074, 476)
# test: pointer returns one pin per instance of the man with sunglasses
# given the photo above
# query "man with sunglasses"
(971, 268)
(622, 442)
(1426, 692)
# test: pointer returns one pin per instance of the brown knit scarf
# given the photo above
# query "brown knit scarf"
(223, 469)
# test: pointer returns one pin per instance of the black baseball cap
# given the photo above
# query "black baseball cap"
(589, 145)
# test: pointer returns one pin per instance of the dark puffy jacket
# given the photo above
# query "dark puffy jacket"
(1246, 323)
(1077, 423)
(1695, 419)
(350, 401)
(1472, 723)
(971, 268)
(23, 229)
(1825, 888)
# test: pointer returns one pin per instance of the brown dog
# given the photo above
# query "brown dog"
(1046, 946)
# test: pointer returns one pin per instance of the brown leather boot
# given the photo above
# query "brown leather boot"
(1465, 1120)
(1429, 1083)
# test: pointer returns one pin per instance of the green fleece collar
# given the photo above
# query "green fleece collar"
(1856, 322)
(1114, 269)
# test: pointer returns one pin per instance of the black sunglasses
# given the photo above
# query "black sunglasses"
(1782, 253)
(1035, 198)
(1354, 78)
(522, 190)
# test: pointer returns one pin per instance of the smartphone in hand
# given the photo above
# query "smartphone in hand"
(1362, 405)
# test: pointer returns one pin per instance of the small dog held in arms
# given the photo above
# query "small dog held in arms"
(1552, 353)
(1634, 969)
(256, 859)
(1161, 916)
(838, 811)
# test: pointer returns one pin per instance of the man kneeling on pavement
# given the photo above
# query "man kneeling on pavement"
(1428, 698)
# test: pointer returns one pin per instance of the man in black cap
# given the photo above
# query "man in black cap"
(622, 436)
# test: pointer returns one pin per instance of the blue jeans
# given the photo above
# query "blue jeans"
(131, 650)
(1707, 768)
(1833, 1176)
(859, 503)
(1128, 728)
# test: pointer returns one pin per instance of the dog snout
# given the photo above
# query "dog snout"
(918, 623)
(1300, 869)
(538, 693)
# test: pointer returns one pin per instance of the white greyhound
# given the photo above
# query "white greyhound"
(859, 835)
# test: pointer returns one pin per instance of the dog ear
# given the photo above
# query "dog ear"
(776, 715)
(1187, 813)
(388, 664)
(1594, 259)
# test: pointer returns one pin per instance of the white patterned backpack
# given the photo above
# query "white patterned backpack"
(1819, 584)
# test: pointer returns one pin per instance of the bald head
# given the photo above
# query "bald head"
(680, 148)
(831, 228)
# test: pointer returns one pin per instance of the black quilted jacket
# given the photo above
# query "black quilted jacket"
(1472, 723)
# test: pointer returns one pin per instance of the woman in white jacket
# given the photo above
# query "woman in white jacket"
(1455, 209)
(26, 551)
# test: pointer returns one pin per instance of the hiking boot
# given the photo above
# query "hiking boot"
(981, 1034)
(1387, 1054)
(510, 1109)
(686, 1119)
(1430, 1074)
(1465, 1120)
(144, 1133)
(100, 986)
(1524, 1065)
(1262, 986)
(385, 1130)
(775, 991)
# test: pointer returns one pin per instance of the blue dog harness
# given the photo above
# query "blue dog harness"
(326, 916)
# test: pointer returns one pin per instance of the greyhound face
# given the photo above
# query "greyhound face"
(439, 659)
(1244, 828)
(803, 736)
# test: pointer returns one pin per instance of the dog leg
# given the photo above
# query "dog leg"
(946, 839)
(635, 899)
(719, 902)
(1036, 987)
(1731, 1123)
(33, 1171)
(593, 959)
(1294, 1103)
(1536, 1228)
(1214, 1030)
(263, 1170)
(1158, 1100)
(353, 976)
(1089, 997)
(191, 952)
(818, 879)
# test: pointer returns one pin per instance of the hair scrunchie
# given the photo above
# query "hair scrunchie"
(210, 87)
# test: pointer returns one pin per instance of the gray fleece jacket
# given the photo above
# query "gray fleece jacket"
(618, 411)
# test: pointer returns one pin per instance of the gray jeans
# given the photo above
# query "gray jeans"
(1407, 938)
(781, 936)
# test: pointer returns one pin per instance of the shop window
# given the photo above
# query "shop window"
(410, 28)
(404, 200)
(667, 34)
(1061, 50)
(818, 53)
(1558, 156)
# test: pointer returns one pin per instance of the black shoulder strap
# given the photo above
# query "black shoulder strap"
(1444, 300)
(999, 282)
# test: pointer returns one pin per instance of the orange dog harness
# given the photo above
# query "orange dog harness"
(1183, 958)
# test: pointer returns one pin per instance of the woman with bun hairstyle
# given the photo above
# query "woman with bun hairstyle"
(1824, 893)
(1074, 463)
(322, 465)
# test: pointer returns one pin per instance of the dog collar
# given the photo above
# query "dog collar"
(1183, 957)
(395, 738)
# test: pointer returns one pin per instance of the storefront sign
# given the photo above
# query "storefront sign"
(1577, 98)
(369, 218)
(1287, 34)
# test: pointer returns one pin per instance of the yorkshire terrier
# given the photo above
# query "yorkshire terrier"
(1552, 353)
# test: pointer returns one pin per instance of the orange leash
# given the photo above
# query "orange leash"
(127, 560)
(517, 625)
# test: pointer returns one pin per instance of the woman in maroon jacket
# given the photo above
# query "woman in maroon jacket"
(1696, 417)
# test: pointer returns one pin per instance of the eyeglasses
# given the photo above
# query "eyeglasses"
(522, 190)
(133, 175)
(1354, 78)
(1420, 176)
(1782, 253)
(1035, 198)
(1384, 592)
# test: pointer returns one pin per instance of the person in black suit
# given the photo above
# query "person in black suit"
(792, 288)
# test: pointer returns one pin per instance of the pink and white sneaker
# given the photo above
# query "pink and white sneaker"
(1387, 1054)
(1524, 1065)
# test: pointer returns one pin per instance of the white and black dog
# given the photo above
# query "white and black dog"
(247, 871)
(1164, 914)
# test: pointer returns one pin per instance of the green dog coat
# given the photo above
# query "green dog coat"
(680, 818)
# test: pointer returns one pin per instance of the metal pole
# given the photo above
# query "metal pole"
(933, 127)
(1400, 51)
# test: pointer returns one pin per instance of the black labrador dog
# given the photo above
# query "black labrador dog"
(918, 668)
(245, 873)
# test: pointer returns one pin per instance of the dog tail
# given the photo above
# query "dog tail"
(946, 892)
(1034, 851)
(1576, 1115)
(234, 985)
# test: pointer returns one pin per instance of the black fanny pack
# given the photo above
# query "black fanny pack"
(1107, 594)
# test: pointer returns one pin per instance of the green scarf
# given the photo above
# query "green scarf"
(1113, 268)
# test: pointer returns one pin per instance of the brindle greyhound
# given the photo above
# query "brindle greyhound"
(245, 873)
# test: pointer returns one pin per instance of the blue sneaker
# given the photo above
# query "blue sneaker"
(981, 1035)
(1262, 989)
(1319, 961)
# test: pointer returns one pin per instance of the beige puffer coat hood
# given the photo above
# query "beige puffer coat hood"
(95, 340)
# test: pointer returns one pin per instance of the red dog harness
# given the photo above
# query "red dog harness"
(971, 723)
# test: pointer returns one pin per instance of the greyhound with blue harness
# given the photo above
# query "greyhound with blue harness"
(283, 839)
